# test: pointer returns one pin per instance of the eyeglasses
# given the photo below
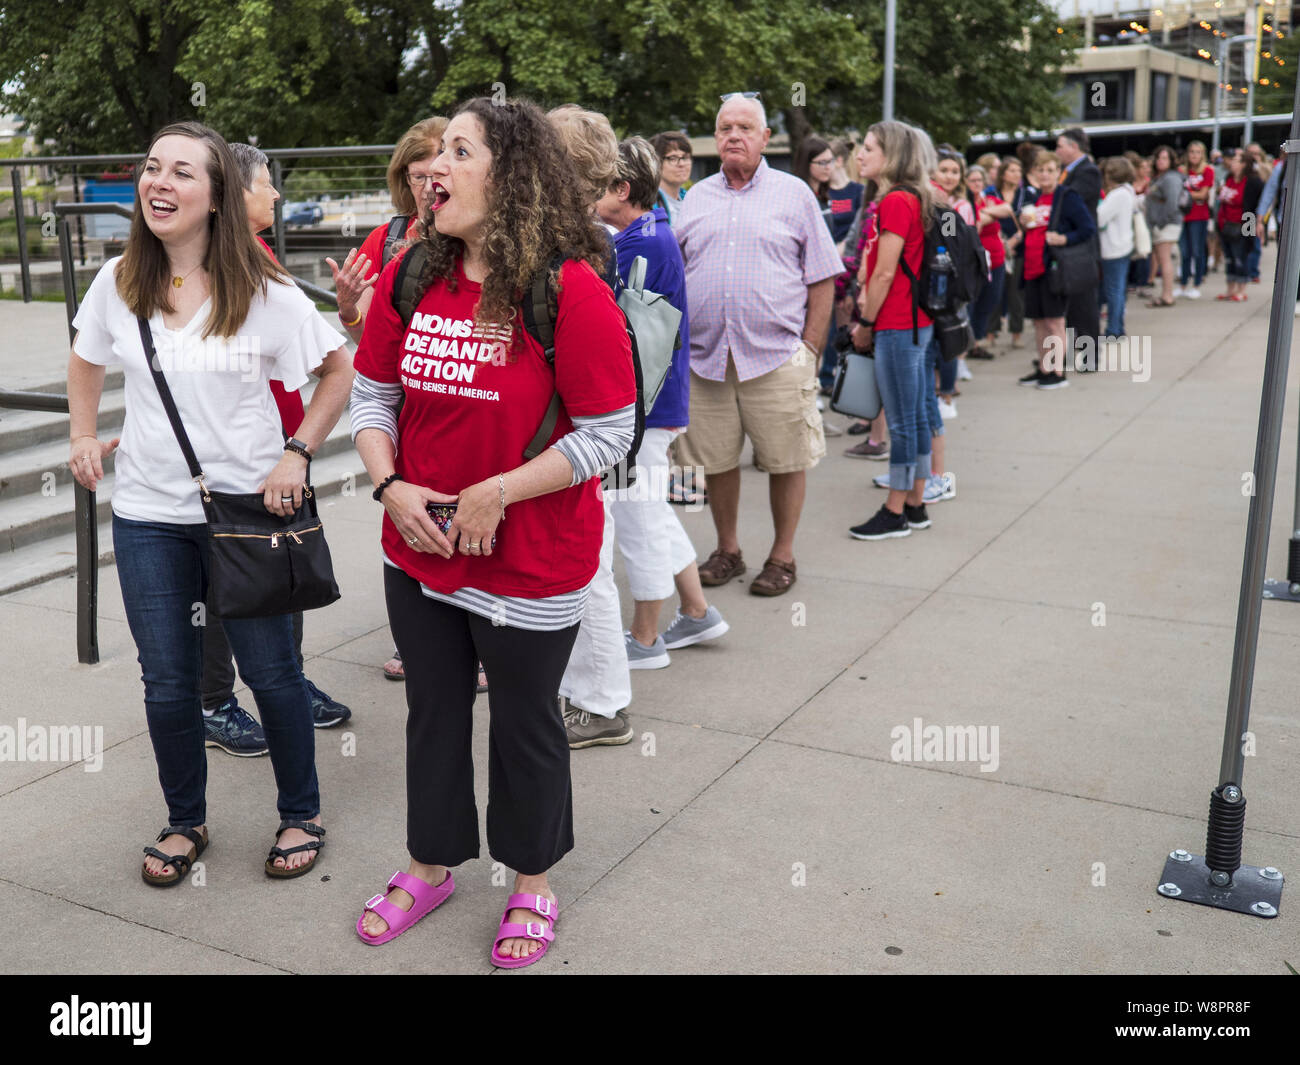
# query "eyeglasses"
(418, 181)
(677, 158)
(747, 95)
(822, 162)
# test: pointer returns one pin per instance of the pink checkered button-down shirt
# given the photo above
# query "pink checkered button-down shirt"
(750, 255)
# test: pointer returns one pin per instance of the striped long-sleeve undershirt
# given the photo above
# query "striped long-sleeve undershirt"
(595, 443)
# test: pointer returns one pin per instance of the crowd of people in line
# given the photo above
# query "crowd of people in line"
(487, 307)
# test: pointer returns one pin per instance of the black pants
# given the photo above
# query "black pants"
(218, 684)
(1083, 315)
(530, 798)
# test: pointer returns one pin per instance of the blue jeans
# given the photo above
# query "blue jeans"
(830, 357)
(985, 308)
(906, 384)
(1114, 286)
(163, 570)
(1191, 249)
(1252, 258)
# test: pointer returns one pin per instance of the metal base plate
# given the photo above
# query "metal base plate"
(1251, 892)
(1280, 589)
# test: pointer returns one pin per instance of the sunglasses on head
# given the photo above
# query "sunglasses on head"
(747, 95)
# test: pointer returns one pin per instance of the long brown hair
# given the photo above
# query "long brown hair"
(237, 267)
(536, 213)
(909, 160)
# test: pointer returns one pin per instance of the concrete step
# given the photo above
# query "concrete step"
(28, 515)
(21, 429)
(24, 471)
(55, 554)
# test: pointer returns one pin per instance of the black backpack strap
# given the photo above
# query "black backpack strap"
(408, 284)
(397, 227)
(169, 405)
(541, 306)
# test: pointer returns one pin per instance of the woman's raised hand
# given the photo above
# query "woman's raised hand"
(350, 281)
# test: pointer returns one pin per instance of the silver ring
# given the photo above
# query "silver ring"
(413, 540)
(286, 499)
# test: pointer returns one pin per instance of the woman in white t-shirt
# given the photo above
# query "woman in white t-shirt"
(224, 319)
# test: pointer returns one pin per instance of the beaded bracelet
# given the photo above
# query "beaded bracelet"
(379, 491)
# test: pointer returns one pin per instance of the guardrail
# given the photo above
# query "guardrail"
(86, 526)
(87, 534)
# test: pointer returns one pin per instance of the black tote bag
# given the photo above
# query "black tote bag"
(1071, 268)
(260, 564)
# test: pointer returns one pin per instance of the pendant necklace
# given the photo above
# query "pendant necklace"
(177, 282)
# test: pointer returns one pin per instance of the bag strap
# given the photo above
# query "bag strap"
(539, 320)
(169, 405)
(395, 234)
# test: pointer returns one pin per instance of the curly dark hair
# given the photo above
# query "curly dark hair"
(536, 216)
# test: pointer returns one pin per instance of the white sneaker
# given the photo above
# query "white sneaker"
(947, 411)
(831, 430)
(939, 487)
(1178, 291)
(963, 371)
(821, 404)
(1192, 293)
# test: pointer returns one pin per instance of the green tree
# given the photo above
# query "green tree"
(1279, 68)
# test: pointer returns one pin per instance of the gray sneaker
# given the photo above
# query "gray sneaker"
(639, 656)
(592, 730)
(686, 630)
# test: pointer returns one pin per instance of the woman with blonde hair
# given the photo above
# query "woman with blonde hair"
(900, 159)
(1198, 180)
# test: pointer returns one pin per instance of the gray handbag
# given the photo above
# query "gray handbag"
(854, 392)
(655, 322)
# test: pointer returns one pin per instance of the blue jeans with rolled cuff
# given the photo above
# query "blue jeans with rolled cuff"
(163, 570)
(906, 381)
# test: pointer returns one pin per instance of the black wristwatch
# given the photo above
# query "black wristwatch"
(297, 447)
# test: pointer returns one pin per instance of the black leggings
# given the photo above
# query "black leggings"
(530, 799)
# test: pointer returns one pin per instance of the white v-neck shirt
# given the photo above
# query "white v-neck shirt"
(221, 388)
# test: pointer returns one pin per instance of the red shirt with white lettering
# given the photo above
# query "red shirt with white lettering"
(473, 403)
(1200, 212)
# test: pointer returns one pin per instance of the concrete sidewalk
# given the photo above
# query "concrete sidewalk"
(759, 822)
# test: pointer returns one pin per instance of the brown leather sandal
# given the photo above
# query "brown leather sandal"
(721, 567)
(776, 578)
(180, 863)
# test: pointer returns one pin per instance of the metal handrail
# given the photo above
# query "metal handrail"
(87, 533)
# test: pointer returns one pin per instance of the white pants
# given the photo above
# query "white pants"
(651, 539)
(597, 678)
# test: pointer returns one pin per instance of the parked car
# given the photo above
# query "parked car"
(303, 214)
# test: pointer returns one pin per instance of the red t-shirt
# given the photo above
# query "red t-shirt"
(1036, 238)
(899, 212)
(991, 232)
(473, 403)
(1230, 196)
(289, 404)
(1200, 212)
(373, 246)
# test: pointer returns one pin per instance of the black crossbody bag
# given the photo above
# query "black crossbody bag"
(260, 564)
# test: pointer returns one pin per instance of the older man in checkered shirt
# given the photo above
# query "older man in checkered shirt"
(760, 270)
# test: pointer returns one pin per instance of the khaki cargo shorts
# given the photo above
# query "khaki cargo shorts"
(777, 411)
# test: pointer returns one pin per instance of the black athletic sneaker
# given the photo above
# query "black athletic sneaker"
(232, 729)
(885, 525)
(1031, 380)
(325, 712)
(917, 518)
(1053, 380)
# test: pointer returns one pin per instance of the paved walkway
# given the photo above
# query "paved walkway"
(759, 822)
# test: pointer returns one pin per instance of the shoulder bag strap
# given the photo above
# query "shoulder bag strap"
(169, 405)
(543, 323)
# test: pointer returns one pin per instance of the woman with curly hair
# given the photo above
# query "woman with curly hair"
(473, 387)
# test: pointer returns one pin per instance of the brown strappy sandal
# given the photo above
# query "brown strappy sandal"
(776, 578)
(180, 863)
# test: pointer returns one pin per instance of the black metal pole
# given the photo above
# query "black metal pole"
(81, 228)
(69, 274)
(20, 221)
(1220, 879)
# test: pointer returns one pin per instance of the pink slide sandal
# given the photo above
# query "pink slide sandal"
(426, 898)
(543, 931)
